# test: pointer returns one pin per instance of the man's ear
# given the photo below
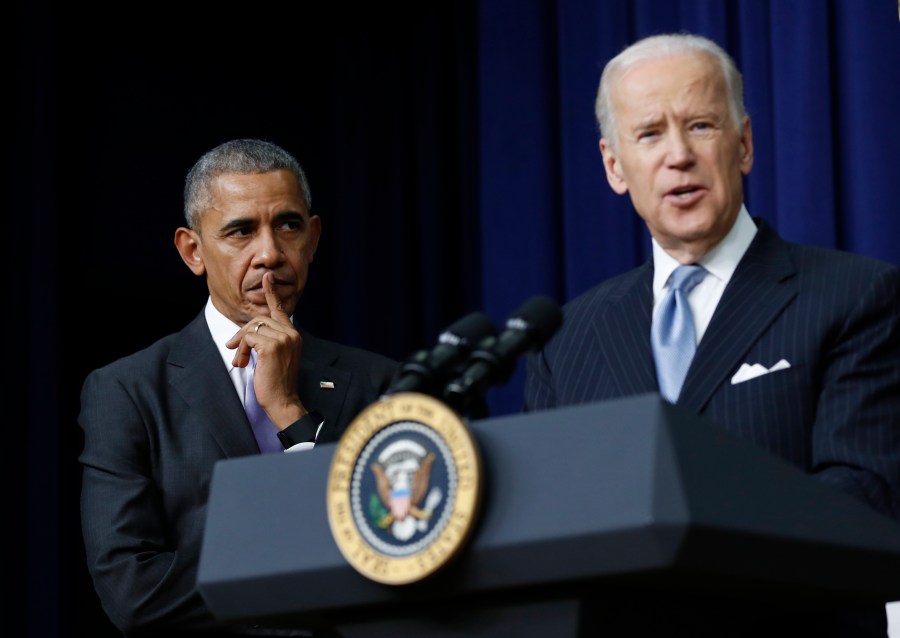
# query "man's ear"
(315, 233)
(613, 168)
(187, 242)
(746, 147)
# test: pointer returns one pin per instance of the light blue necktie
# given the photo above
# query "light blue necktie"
(264, 430)
(672, 334)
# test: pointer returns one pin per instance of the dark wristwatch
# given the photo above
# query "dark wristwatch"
(301, 431)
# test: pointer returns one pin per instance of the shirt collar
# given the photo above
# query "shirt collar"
(721, 261)
(222, 329)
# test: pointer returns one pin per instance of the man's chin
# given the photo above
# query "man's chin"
(692, 225)
(262, 309)
(257, 299)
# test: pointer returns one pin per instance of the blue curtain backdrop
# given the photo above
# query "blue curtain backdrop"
(822, 87)
(452, 152)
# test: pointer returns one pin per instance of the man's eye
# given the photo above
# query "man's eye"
(238, 231)
(291, 225)
(646, 135)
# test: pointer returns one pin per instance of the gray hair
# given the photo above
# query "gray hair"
(246, 156)
(660, 46)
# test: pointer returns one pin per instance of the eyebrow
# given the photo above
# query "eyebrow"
(287, 215)
(656, 120)
(292, 215)
(648, 122)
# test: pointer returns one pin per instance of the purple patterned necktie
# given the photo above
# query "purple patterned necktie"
(263, 429)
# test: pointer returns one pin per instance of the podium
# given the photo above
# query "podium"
(631, 495)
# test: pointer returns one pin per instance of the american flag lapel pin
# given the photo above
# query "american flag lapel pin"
(325, 384)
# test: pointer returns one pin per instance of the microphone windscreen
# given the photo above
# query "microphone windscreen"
(469, 330)
(540, 316)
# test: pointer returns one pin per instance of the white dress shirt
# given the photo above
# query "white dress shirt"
(720, 264)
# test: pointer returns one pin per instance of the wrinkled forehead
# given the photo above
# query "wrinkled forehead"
(248, 191)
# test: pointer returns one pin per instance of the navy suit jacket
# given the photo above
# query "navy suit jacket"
(155, 423)
(833, 316)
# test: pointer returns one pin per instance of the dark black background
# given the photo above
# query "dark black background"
(113, 104)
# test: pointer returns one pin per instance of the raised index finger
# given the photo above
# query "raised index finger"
(276, 308)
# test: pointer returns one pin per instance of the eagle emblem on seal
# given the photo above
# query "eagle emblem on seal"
(403, 503)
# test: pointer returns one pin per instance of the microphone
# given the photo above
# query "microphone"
(493, 361)
(425, 371)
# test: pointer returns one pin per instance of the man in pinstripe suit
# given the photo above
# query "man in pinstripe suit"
(798, 347)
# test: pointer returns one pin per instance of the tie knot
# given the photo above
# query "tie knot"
(685, 277)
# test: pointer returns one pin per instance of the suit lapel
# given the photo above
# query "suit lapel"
(197, 373)
(623, 333)
(321, 385)
(762, 285)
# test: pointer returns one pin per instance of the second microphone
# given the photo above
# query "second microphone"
(427, 371)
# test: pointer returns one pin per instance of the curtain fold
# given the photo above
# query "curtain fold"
(821, 88)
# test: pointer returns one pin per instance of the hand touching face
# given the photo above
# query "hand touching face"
(278, 348)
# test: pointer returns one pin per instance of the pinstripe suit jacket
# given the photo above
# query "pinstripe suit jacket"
(834, 316)
(155, 423)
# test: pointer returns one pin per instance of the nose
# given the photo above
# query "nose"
(268, 251)
(679, 153)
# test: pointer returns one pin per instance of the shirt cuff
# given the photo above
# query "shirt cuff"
(304, 430)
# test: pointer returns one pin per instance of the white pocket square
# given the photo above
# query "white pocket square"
(747, 372)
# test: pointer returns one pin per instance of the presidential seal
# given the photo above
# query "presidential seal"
(404, 488)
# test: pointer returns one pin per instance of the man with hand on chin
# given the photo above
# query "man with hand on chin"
(156, 422)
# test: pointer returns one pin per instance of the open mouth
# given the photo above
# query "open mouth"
(686, 195)
(683, 192)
